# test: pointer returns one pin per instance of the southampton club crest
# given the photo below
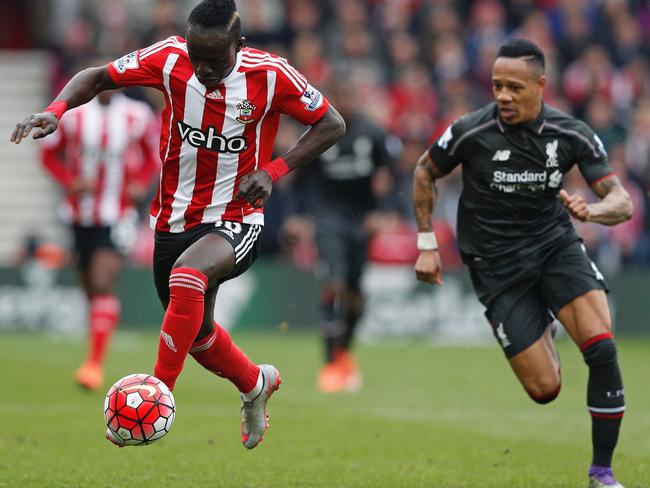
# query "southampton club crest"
(246, 109)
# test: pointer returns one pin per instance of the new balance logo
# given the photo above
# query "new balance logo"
(501, 155)
(168, 340)
(215, 95)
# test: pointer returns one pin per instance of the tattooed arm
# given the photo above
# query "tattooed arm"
(428, 267)
(615, 205)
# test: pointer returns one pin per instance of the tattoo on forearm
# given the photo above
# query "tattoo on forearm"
(615, 205)
(424, 193)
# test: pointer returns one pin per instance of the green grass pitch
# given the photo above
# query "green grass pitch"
(428, 416)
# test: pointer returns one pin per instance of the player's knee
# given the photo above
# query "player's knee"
(198, 267)
(544, 392)
(100, 284)
(599, 351)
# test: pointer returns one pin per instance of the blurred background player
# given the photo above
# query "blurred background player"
(223, 105)
(527, 263)
(342, 192)
(104, 157)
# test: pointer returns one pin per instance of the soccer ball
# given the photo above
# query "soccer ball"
(139, 409)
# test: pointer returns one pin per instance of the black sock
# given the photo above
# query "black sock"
(605, 396)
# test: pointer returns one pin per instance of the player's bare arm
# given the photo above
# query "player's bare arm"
(82, 88)
(614, 207)
(428, 267)
(256, 187)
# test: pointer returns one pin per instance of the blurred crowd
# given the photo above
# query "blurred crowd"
(413, 66)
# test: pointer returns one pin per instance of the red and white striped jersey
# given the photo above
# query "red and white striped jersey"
(210, 138)
(107, 146)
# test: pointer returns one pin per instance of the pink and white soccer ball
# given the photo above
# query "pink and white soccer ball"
(139, 409)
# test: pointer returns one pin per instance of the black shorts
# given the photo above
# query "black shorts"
(342, 247)
(521, 300)
(88, 240)
(244, 238)
(119, 237)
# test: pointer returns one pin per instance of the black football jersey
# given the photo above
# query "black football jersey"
(341, 177)
(512, 175)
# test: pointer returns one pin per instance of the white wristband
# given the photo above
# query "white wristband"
(427, 241)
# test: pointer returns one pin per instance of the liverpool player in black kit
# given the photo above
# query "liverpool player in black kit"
(525, 259)
(344, 186)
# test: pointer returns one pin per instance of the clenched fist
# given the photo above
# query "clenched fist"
(256, 188)
(576, 205)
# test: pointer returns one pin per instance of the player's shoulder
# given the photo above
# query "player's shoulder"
(173, 44)
(465, 126)
(258, 56)
(253, 59)
(484, 117)
(556, 120)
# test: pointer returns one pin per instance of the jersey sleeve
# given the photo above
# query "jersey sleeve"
(143, 67)
(295, 97)
(445, 152)
(591, 155)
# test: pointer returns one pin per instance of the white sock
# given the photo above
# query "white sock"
(256, 390)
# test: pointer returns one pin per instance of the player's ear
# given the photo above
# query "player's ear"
(240, 44)
(541, 83)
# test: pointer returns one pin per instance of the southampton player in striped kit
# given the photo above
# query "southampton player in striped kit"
(104, 157)
(223, 105)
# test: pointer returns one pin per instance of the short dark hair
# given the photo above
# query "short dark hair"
(523, 48)
(217, 14)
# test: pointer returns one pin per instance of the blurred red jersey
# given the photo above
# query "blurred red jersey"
(108, 147)
(210, 138)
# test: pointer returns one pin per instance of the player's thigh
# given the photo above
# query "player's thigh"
(586, 316)
(235, 242)
(167, 249)
(537, 367)
(244, 239)
(211, 255)
(104, 269)
(83, 245)
(575, 290)
(520, 323)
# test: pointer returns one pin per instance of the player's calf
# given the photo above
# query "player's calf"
(605, 396)
(182, 322)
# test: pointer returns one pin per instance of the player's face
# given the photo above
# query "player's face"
(517, 87)
(212, 52)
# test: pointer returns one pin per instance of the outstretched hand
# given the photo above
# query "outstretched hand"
(45, 123)
(256, 188)
(576, 205)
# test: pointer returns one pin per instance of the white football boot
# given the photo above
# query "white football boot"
(254, 419)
